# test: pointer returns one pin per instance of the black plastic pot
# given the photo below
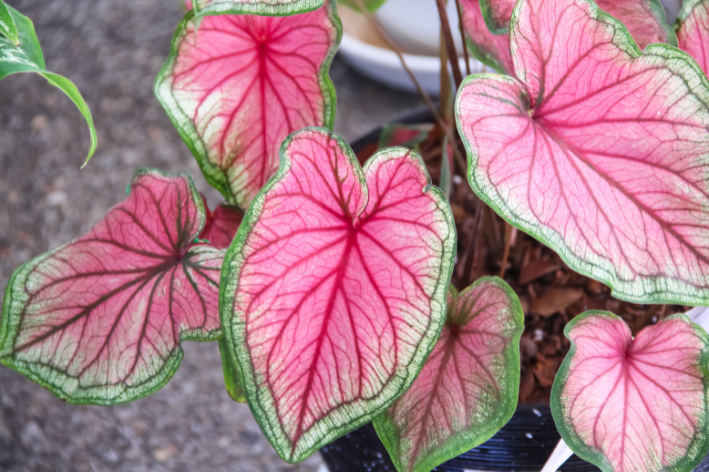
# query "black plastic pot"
(522, 445)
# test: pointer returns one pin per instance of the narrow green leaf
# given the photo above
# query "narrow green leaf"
(231, 375)
(7, 25)
(25, 55)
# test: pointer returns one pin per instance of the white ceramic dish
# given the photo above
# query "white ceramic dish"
(368, 52)
(383, 65)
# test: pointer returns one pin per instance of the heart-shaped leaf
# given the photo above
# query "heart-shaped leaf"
(600, 151)
(693, 31)
(100, 319)
(7, 25)
(638, 404)
(20, 52)
(255, 7)
(492, 50)
(237, 86)
(221, 226)
(334, 289)
(645, 19)
(468, 388)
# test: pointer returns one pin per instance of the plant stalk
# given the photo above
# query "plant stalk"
(506, 255)
(450, 44)
(426, 98)
(462, 37)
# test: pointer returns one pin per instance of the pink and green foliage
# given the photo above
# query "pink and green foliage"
(254, 7)
(468, 387)
(645, 19)
(334, 290)
(693, 31)
(237, 86)
(221, 226)
(598, 150)
(634, 405)
(100, 319)
(492, 50)
(410, 136)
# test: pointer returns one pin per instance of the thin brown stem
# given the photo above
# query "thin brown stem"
(469, 263)
(462, 37)
(426, 98)
(506, 255)
(450, 44)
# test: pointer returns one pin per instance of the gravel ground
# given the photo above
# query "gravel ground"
(112, 50)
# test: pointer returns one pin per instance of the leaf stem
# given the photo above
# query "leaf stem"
(506, 255)
(462, 37)
(426, 97)
(450, 44)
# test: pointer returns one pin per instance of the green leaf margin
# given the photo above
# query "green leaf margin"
(654, 5)
(16, 299)
(657, 290)
(27, 57)
(162, 88)
(464, 441)
(370, 5)
(254, 7)
(233, 326)
(685, 12)
(699, 448)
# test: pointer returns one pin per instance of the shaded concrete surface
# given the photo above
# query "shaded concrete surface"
(112, 50)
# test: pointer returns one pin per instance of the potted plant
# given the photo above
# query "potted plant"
(332, 303)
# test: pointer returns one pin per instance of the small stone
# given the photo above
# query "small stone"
(33, 438)
(39, 122)
(224, 442)
(55, 199)
(163, 454)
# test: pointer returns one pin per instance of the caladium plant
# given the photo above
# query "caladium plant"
(468, 388)
(239, 84)
(327, 284)
(100, 319)
(604, 153)
(634, 404)
(334, 289)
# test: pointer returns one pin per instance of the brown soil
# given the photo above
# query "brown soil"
(550, 292)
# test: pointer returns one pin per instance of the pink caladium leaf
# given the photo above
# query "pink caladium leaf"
(693, 31)
(334, 289)
(492, 50)
(221, 226)
(254, 7)
(237, 86)
(634, 405)
(645, 19)
(599, 151)
(468, 387)
(100, 319)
